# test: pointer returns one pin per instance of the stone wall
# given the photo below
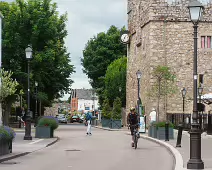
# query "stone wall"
(161, 34)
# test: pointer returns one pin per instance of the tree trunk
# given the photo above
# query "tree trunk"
(7, 110)
(158, 110)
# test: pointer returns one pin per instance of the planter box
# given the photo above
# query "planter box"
(105, 122)
(44, 132)
(150, 131)
(5, 147)
(154, 131)
(161, 133)
(115, 124)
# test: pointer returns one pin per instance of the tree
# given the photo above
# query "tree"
(8, 88)
(115, 80)
(164, 84)
(37, 23)
(99, 52)
(117, 109)
(106, 109)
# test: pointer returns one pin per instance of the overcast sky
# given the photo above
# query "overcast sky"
(86, 18)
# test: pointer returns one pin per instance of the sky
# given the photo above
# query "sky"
(87, 18)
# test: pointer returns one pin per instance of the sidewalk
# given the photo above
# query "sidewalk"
(185, 148)
(22, 147)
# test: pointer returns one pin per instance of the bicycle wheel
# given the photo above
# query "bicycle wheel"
(135, 140)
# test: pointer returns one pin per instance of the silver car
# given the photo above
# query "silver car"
(62, 118)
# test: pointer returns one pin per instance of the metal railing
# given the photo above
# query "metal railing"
(177, 118)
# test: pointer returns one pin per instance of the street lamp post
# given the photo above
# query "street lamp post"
(28, 115)
(36, 100)
(138, 74)
(195, 161)
(183, 95)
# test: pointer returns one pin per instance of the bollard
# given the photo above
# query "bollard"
(167, 131)
(179, 135)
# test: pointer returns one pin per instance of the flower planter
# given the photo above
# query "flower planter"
(105, 122)
(115, 124)
(5, 147)
(44, 132)
(161, 133)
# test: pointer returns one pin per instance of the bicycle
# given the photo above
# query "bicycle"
(135, 136)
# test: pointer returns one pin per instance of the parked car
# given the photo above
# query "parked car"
(75, 119)
(81, 119)
(62, 118)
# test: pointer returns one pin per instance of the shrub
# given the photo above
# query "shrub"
(116, 113)
(6, 133)
(48, 121)
(162, 124)
(106, 110)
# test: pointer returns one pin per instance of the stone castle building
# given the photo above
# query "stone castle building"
(161, 33)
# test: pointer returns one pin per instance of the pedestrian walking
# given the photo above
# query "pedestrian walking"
(152, 116)
(88, 120)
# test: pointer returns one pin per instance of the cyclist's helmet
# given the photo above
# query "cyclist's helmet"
(132, 109)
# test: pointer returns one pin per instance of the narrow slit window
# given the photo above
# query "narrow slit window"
(203, 42)
(209, 42)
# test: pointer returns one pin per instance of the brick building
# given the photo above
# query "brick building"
(161, 33)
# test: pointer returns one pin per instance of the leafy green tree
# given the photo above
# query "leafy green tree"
(117, 109)
(99, 52)
(39, 24)
(8, 88)
(115, 80)
(106, 109)
(164, 84)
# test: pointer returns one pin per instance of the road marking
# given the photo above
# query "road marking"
(36, 141)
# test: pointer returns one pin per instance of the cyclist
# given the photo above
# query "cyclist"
(133, 121)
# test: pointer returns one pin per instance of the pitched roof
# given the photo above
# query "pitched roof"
(82, 94)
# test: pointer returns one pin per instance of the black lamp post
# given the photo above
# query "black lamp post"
(195, 161)
(183, 95)
(28, 115)
(138, 74)
(36, 100)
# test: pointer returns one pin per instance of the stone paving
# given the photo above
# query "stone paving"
(185, 148)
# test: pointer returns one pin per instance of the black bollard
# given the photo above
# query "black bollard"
(179, 135)
(167, 131)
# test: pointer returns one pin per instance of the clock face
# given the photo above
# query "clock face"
(125, 38)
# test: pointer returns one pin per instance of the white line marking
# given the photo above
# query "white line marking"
(36, 141)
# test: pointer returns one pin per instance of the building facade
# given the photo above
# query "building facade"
(83, 100)
(161, 33)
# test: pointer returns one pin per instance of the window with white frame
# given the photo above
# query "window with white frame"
(206, 42)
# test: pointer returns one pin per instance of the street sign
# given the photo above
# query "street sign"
(142, 125)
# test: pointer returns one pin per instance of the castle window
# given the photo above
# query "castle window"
(206, 42)
(209, 42)
(202, 41)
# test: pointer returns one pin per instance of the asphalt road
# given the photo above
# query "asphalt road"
(104, 150)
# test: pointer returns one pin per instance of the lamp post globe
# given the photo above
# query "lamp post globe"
(28, 52)
(200, 91)
(36, 84)
(27, 135)
(138, 74)
(195, 161)
(195, 11)
(184, 92)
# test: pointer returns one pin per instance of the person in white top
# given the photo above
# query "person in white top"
(152, 115)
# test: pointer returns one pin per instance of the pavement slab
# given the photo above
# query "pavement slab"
(185, 148)
(22, 147)
(104, 150)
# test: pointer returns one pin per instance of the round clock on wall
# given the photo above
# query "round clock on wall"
(125, 38)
